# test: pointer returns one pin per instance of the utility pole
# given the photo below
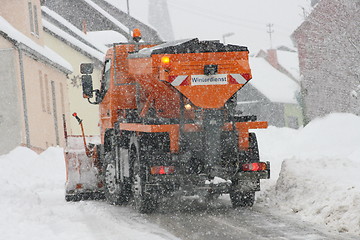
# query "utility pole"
(128, 12)
(270, 31)
(128, 8)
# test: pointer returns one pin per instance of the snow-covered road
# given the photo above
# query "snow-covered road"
(220, 221)
(314, 193)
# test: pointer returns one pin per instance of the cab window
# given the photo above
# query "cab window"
(105, 83)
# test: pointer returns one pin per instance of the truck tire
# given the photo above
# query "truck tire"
(143, 202)
(242, 199)
(115, 191)
(73, 197)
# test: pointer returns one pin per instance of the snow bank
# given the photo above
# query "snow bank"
(24, 178)
(32, 204)
(315, 175)
(315, 171)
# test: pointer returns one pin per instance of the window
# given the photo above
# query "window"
(36, 23)
(55, 112)
(42, 92)
(105, 83)
(31, 17)
(62, 98)
(47, 92)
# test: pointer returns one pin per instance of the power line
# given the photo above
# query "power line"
(212, 17)
(218, 17)
(214, 13)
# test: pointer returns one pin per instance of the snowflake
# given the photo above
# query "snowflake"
(75, 81)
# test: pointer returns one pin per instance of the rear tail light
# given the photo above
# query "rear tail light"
(259, 166)
(162, 170)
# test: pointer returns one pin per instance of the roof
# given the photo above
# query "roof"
(72, 30)
(107, 37)
(107, 15)
(290, 61)
(73, 41)
(100, 15)
(42, 52)
(273, 84)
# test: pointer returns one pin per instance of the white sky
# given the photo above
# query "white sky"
(210, 19)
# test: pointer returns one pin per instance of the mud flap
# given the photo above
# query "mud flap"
(83, 178)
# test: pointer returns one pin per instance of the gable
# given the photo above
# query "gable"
(274, 85)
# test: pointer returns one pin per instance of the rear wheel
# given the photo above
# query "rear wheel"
(143, 202)
(72, 197)
(242, 199)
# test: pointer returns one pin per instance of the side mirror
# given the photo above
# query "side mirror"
(86, 82)
(86, 68)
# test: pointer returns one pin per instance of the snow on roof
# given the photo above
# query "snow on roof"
(276, 86)
(94, 53)
(107, 37)
(290, 61)
(146, 52)
(115, 3)
(46, 52)
(107, 15)
(75, 30)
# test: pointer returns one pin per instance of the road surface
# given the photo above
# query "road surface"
(220, 221)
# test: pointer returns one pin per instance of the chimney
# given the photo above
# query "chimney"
(272, 58)
(84, 27)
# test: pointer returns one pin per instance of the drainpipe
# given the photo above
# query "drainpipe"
(22, 78)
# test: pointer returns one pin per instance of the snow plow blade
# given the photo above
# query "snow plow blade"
(83, 173)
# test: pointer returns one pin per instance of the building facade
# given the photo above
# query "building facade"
(329, 53)
(34, 101)
(57, 37)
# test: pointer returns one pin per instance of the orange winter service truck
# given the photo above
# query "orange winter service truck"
(169, 127)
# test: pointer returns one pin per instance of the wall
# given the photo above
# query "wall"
(252, 102)
(10, 120)
(37, 91)
(46, 99)
(293, 116)
(88, 112)
(16, 12)
(329, 54)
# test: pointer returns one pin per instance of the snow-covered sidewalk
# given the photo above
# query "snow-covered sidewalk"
(315, 171)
